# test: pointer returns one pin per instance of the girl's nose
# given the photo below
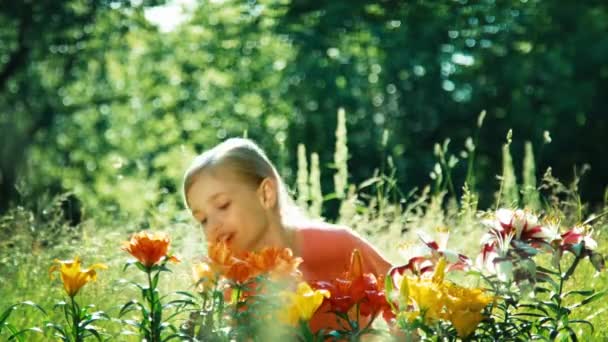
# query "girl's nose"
(213, 228)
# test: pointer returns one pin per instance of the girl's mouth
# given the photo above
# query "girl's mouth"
(227, 238)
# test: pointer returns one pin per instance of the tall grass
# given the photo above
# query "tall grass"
(375, 208)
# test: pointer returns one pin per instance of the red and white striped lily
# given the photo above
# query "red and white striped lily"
(512, 230)
(575, 236)
(515, 228)
(522, 225)
(423, 258)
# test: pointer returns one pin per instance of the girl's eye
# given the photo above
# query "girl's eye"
(204, 221)
(225, 205)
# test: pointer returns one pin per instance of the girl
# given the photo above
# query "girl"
(235, 192)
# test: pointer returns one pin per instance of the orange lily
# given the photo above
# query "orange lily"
(356, 287)
(149, 248)
(279, 262)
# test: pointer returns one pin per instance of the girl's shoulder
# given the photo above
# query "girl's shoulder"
(327, 246)
(325, 241)
(323, 230)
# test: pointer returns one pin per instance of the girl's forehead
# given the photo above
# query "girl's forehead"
(223, 175)
(210, 182)
(207, 187)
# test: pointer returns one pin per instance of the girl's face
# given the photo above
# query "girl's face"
(229, 209)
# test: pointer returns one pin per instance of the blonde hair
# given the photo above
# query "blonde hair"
(248, 160)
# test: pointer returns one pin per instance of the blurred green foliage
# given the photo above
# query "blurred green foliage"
(97, 100)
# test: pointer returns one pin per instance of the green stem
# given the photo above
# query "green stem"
(558, 298)
(154, 318)
(75, 321)
(471, 165)
(357, 316)
(562, 279)
(370, 322)
(448, 176)
(236, 305)
(571, 269)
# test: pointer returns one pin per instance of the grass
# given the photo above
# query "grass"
(377, 209)
(24, 271)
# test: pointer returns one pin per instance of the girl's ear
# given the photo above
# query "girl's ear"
(267, 193)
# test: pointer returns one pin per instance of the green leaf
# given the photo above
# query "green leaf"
(164, 268)
(155, 280)
(139, 286)
(181, 336)
(58, 328)
(128, 264)
(369, 182)
(14, 333)
(5, 314)
(545, 278)
(528, 314)
(335, 334)
(187, 294)
(96, 316)
(176, 302)
(571, 332)
(540, 289)
(58, 304)
(578, 292)
(94, 332)
(588, 300)
(129, 306)
(19, 334)
(535, 307)
(550, 305)
(582, 321)
(132, 323)
(546, 270)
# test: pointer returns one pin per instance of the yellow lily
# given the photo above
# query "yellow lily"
(464, 308)
(204, 276)
(436, 299)
(73, 276)
(302, 304)
(426, 295)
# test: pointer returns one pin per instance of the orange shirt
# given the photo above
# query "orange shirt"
(326, 250)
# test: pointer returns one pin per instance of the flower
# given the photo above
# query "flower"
(204, 276)
(577, 235)
(302, 304)
(464, 307)
(240, 271)
(424, 296)
(514, 236)
(434, 299)
(149, 248)
(220, 254)
(521, 225)
(578, 241)
(277, 262)
(72, 276)
(423, 259)
(356, 287)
